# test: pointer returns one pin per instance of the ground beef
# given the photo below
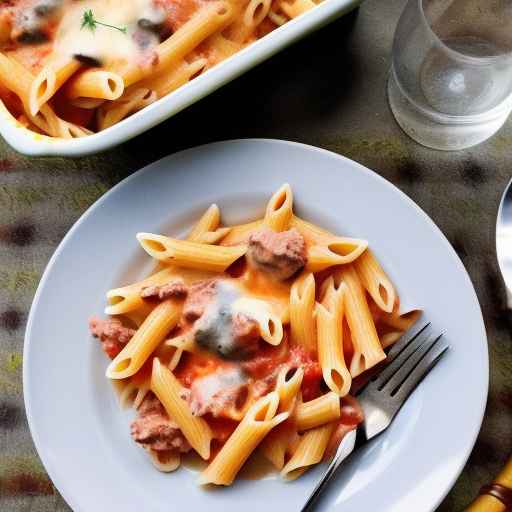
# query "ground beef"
(269, 361)
(279, 254)
(154, 429)
(176, 289)
(112, 334)
(245, 332)
(199, 296)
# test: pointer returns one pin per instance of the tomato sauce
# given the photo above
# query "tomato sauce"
(222, 428)
(79, 116)
(144, 374)
(178, 11)
(270, 360)
(195, 366)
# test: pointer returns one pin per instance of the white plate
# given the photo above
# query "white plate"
(83, 438)
(30, 143)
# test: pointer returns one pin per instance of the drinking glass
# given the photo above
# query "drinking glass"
(450, 85)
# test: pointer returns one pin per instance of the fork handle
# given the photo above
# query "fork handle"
(345, 448)
(496, 497)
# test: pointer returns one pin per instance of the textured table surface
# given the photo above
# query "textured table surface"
(329, 91)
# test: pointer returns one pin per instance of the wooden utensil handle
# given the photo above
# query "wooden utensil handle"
(496, 497)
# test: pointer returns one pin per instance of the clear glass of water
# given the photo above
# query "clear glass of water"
(450, 85)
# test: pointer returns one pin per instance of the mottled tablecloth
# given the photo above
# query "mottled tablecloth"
(329, 91)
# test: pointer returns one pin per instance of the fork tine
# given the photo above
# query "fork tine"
(399, 377)
(403, 353)
(407, 338)
(431, 358)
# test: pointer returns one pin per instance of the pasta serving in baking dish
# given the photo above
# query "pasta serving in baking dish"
(69, 68)
(249, 337)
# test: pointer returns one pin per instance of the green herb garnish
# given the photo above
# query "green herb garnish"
(89, 21)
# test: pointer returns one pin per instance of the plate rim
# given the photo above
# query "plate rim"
(50, 468)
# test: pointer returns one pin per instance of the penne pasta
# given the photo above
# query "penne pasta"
(49, 80)
(276, 17)
(95, 83)
(275, 445)
(190, 254)
(375, 281)
(207, 230)
(390, 338)
(336, 251)
(213, 237)
(127, 298)
(329, 319)
(401, 321)
(288, 385)
(296, 7)
(240, 234)
(165, 461)
(302, 312)
(309, 451)
(131, 393)
(14, 77)
(174, 348)
(314, 235)
(209, 221)
(221, 47)
(259, 420)
(279, 209)
(367, 348)
(317, 412)
(255, 12)
(168, 390)
(132, 101)
(137, 316)
(150, 334)
(170, 80)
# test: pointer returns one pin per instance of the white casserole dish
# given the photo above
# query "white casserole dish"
(29, 143)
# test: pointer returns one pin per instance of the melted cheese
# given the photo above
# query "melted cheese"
(207, 388)
(104, 43)
(257, 309)
(260, 286)
(213, 329)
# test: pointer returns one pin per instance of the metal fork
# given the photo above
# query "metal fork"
(407, 363)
